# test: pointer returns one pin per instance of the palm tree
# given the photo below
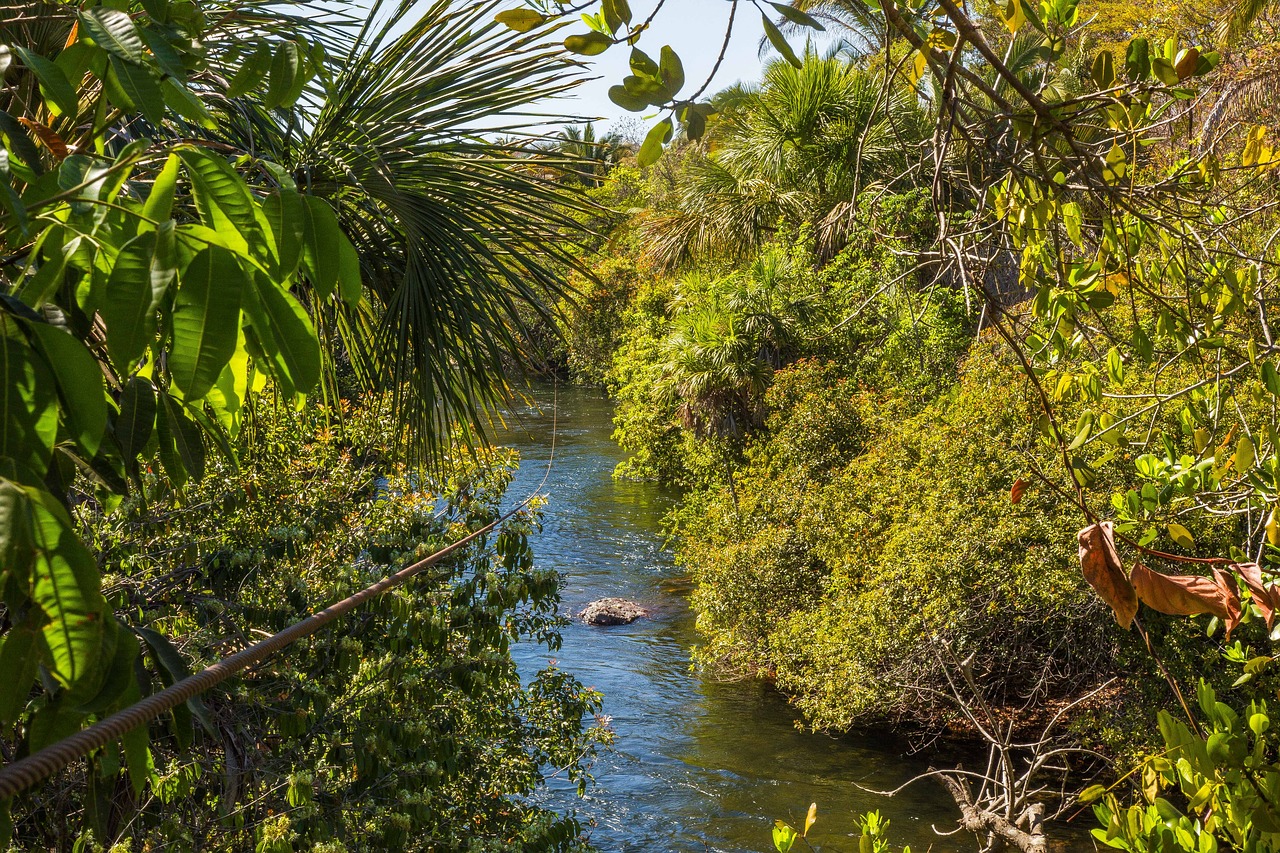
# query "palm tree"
(420, 138)
(593, 157)
(804, 142)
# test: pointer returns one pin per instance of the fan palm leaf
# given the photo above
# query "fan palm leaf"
(459, 235)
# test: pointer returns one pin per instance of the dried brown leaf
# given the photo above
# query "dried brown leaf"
(1102, 569)
(1267, 598)
(1230, 597)
(1019, 488)
(51, 140)
(1178, 595)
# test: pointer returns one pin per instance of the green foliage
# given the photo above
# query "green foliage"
(866, 531)
(195, 208)
(1215, 786)
(393, 731)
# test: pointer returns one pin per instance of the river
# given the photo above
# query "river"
(697, 765)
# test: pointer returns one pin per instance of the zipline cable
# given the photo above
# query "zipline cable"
(28, 772)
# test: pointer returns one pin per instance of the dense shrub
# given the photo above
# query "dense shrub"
(405, 727)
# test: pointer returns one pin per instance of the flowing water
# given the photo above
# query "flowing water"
(697, 765)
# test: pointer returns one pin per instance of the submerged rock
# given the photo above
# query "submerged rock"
(612, 611)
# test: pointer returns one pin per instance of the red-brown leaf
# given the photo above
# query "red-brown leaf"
(1267, 598)
(1178, 595)
(1230, 598)
(1102, 569)
(1019, 487)
(51, 140)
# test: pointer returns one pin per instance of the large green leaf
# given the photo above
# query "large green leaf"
(143, 273)
(223, 198)
(113, 31)
(137, 418)
(66, 587)
(286, 68)
(15, 542)
(54, 250)
(350, 280)
(181, 442)
(141, 87)
(137, 749)
(286, 334)
(206, 320)
(159, 204)
(28, 406)
(18, 661)
(321, 259)
(57, 90)
(80, 385)
(253, 70)
(285, 214)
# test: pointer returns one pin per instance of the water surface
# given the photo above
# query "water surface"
(697, 765)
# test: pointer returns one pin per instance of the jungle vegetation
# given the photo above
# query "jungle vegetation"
(954, 328)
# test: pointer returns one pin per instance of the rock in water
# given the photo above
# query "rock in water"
(612, 611)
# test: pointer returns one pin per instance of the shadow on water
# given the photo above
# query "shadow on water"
(697, 765)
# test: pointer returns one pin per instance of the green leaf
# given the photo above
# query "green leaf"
(28, 407)
(632, 103)
(1137, 60)
(54, 85)
(18, 141)
(1245, 455)
(144, 271)
(779, 42)
(1181, 535)
(520, 20)
(18, 661)
(321, 250)
(784, 836)
(118, 674)
(286, 67)
(16, 553)
(350, 278)
(159, 203)
(1093, 792)
(253, 70)
(142, 88)
(1271, 378)
(1115, 365)
(113, 31)
(137, 753)
(588, 44)
(795, 16)
(221, 194)
(1103, 70)
(182, 101)
(1084, 427)
(137, 416)
(1072, 218)
(284, 213)
(173, 668)
(672, 70)
(285, 330)
(642, 65)
(169, 459)
(184, 436)
(66, 587)
(38, 289)
(80, 385)
(657, 136)
(206, 319)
